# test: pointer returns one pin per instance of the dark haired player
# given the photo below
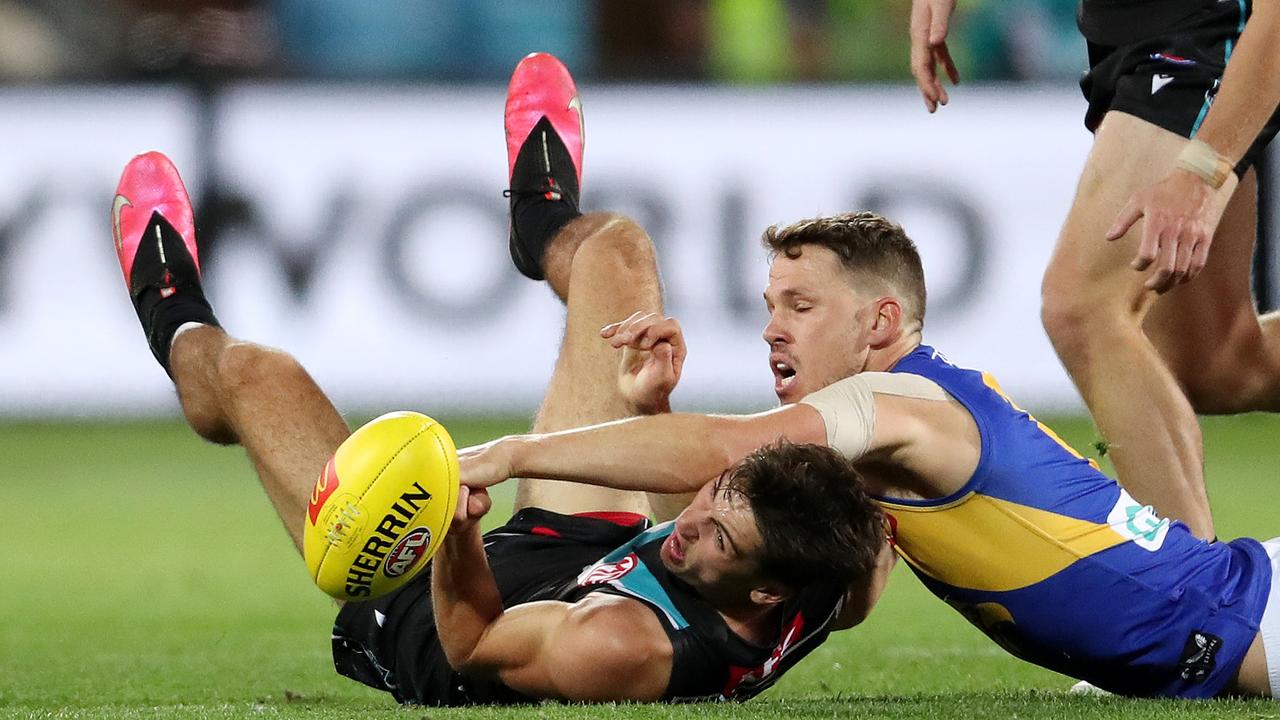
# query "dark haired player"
(575, 598)
(996, 515)
(1182, 99)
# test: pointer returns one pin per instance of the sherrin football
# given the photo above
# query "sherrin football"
(381, 506)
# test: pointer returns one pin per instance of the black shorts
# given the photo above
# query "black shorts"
(391, 643)
(1170, 79)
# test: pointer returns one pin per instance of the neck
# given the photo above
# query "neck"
(883, 358)
(753, 624)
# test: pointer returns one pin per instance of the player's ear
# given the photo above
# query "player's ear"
(770, 594)
(888, 321)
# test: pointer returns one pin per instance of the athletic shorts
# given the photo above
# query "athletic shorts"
(1269, 627)
(391, 643)
(1170, 79)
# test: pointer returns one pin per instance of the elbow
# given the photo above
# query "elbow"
(458, 654)
(462, 659)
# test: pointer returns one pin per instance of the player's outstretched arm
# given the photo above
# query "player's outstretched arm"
(1182, 211)
(598, 649)
(675, 453)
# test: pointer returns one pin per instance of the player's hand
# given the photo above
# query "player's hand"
(473, 504)
(482, 466)
(1180, 215)
(929, 26)
(653, 353)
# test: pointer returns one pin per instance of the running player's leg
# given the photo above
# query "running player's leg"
(1225, 356)
(1094, 306)
(601, 265)
(231, 392)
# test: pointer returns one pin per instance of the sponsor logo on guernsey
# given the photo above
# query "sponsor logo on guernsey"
(602, 573)
(1159, 81)
(1138, 522)
(1172, 59)
(383, 539)
(407, 552)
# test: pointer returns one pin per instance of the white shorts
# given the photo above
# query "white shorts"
(1270, 625)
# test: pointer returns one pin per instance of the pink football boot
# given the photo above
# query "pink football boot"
(544, 130)
(155, 239)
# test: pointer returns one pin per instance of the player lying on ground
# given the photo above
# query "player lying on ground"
(581, 600)
(996, 515)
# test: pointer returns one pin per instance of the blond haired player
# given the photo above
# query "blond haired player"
(993, 512)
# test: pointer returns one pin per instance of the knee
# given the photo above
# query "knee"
(619, 242)
(247, 369)
(1081, 312)
(1064, 311)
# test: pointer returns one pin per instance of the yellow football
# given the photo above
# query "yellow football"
(381, 506)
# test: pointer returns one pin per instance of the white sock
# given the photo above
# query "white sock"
(183, 328)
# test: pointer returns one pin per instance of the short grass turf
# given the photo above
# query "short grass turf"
(146, 575)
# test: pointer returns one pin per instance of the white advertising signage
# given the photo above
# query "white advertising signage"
(365, 232)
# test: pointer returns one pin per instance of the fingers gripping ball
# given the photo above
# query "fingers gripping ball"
(381, 506)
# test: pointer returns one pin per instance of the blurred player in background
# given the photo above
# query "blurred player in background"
(1161, 71)
(1027, 539)
(575, 597)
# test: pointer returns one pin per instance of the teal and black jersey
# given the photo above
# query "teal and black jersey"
(1060, 566)
(710, 661)
(391, 643)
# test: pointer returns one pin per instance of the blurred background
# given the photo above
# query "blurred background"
(718, 41)
(346, 162)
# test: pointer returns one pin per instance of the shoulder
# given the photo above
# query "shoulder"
(619, 626)
(616, 644)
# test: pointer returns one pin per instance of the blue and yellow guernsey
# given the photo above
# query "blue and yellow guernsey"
(1061, 567)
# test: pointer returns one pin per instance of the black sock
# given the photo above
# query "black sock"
(163, 317)
(536, 220)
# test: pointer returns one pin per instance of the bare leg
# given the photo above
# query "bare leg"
(604, 267)
(237, 392)
(1225, 356)
(1093, 309)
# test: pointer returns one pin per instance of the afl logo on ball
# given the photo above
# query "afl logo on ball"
(607, 572)
(406, 553)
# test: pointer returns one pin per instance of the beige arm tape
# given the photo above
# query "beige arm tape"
(848, 406)
(1203, 161)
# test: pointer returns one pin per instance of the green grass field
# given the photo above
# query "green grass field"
(145, 575)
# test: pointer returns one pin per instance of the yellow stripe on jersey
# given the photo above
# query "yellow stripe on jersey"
(990, 381)
(985, 543)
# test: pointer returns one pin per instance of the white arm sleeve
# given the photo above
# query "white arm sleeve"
(849, 412)
(848, 407)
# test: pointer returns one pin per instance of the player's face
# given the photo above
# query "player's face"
(715, 544)
(818, 323)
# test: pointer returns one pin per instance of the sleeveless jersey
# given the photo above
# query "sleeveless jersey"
(1060, 566)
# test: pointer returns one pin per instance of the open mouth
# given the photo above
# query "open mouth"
(783, 374)
(674, 548)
